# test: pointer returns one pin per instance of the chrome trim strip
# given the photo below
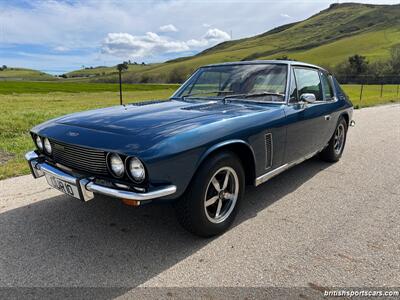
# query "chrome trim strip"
(87, 185)
(288, 79)
(56, 173)
(32, 157)
(278, 170)
(156, 193)
(271, 174)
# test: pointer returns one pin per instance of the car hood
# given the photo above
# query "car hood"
(136, 118)
(132, 129)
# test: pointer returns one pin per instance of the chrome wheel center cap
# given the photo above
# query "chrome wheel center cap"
(221, 195)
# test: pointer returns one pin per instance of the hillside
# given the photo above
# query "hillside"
(104, 71)
(326, 39)
(24, 74)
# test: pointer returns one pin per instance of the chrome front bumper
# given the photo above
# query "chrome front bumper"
(88, 187)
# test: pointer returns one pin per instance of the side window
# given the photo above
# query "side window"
(326, 87)
(293, 95)
(308, 82)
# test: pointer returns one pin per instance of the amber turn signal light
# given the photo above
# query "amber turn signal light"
(130, 202)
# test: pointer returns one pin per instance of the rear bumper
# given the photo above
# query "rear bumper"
(87, 185)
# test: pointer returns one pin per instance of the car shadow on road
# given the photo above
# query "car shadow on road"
(103, 243)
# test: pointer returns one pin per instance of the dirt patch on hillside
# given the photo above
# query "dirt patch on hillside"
(5, 157)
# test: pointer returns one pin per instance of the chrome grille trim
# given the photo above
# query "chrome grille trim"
(80, 158)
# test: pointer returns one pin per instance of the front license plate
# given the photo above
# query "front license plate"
(63, 186)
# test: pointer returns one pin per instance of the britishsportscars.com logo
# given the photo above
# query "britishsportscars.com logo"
(361, 293)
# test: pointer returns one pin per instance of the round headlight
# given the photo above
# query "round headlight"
(136, 169)
(116, 165)
(47, 145)
(39, 143)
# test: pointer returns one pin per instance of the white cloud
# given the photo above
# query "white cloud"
(215, 34)
(193, 43)
(206, 25)
(285, 16)
(168, 28)
(127, 45)
(151, 44)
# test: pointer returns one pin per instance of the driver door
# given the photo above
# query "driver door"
(307, 122)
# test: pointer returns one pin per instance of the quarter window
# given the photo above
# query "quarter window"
(308, 82)
(326, 87)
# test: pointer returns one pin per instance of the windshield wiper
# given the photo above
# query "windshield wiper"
(204, 93)
(253, 95)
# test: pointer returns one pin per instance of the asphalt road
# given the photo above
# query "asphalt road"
(315, 225)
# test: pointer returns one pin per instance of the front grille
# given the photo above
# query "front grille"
(80, 158)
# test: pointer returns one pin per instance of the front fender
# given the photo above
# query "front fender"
(224, 144)
(180, 168)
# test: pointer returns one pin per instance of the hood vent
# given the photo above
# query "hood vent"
(210, 107)
(143, 103)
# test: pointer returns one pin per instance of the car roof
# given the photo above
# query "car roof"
(258, 62)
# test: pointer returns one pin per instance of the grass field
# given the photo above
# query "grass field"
(21, 111)
(372, 94)
(74, 87)
(26, 104)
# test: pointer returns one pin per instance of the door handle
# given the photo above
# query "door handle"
(327, 117)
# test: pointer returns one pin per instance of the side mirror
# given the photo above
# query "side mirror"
(308, 98)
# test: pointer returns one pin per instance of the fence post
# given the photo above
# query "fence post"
(381, 89)
(361, 92)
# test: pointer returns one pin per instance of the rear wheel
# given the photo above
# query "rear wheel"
(210, 204)
(333, 152)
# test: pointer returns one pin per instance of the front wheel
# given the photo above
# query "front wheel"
(334, 149)
(210, 204)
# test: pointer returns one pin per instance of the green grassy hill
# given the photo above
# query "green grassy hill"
(326, 39)
(24, 74)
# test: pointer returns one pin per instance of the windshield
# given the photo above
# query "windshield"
(265, 82)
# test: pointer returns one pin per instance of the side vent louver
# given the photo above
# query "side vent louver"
(268, 150)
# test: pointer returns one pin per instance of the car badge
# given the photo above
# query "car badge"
(72, 133)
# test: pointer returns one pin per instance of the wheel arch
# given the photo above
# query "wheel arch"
(242, 149)
(346, 117)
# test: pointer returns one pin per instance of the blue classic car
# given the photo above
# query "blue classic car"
(228, 125)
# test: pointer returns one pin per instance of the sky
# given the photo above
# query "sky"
(61, 36)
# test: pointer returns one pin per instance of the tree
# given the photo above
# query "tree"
(284, 57)
(120, 68)
(358, 64)
(177, 75)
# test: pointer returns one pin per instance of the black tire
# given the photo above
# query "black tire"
(332, 153)
(191, 210)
